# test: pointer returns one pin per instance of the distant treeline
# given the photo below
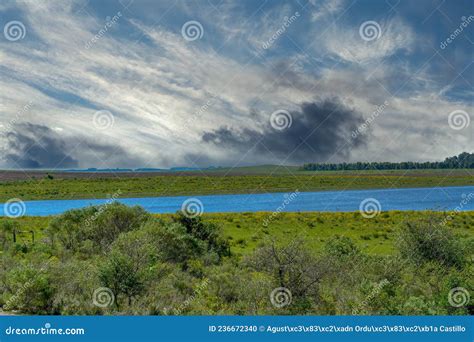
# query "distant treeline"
(463, 161)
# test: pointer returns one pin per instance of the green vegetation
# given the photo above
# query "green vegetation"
(332, 263)
(462, 161)
(215, 183)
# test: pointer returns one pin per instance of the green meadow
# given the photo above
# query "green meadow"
(247, 231)
(230, 182)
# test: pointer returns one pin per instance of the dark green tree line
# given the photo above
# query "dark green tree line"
(462, 161)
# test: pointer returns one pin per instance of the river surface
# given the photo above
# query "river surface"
(440, 198)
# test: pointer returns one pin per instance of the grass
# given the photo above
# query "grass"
(222, 183)
(246, 231)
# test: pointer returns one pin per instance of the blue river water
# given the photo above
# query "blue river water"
(438, 198)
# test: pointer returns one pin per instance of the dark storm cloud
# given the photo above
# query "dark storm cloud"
(319, 131)
(36, 146)
(32, 146)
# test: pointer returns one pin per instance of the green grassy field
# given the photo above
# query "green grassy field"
(246, 231)
(220, 183)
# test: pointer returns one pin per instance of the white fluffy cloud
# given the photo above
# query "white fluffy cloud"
(165, 92)
(359, 44)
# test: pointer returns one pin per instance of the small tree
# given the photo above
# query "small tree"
(119, 274)
(292, 266)
(100, 225)
(205, 231)
(430, 240)
(341, 247)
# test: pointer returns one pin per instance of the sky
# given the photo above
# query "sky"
(141, 83)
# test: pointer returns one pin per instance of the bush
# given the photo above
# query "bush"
(430, 240)
(30, 290)
(292, 266)
(205, 231)
(340, 246)
(99, 224)
(74, 282)
(173, 242)
(120, 275)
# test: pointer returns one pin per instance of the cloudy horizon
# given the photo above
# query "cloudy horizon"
(134, 84)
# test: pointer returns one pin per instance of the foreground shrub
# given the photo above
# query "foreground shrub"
(430, 240)
(205, 231)
(182, 266)
(101, 225)
(30, 290)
